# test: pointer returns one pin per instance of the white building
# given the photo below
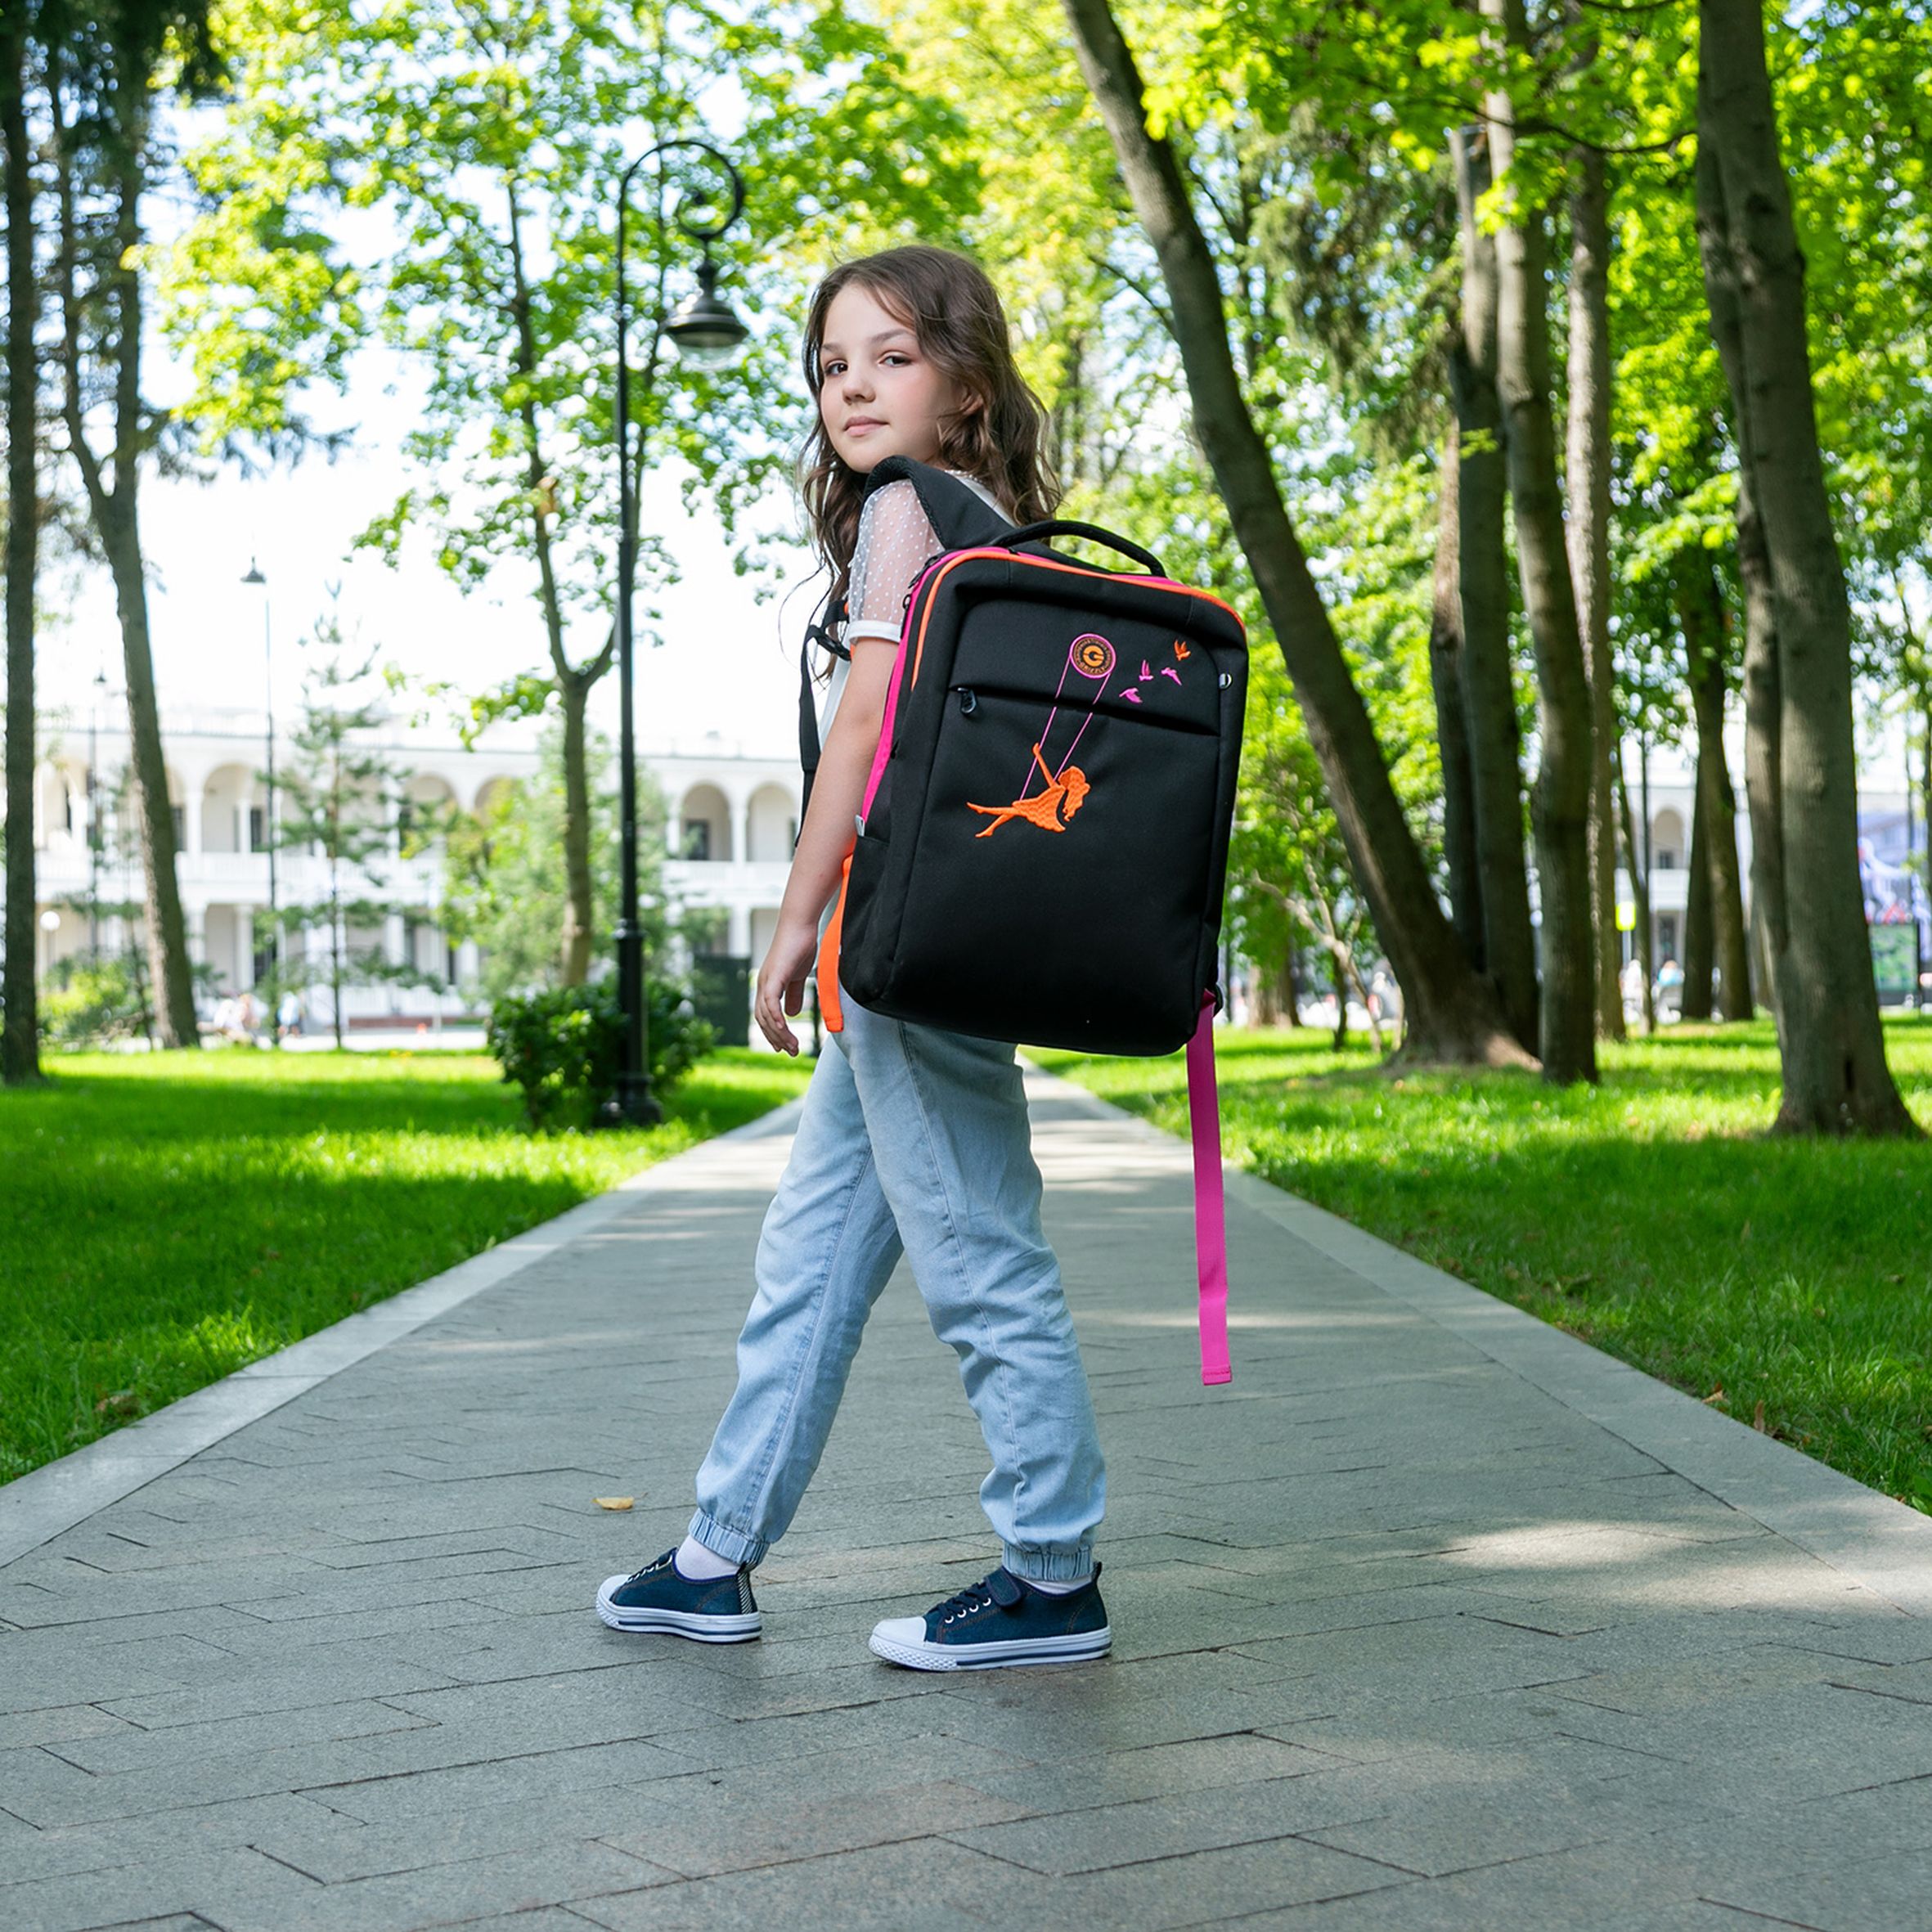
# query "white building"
(1892, 846)
(732, 821)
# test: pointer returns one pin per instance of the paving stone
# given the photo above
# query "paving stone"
(508, 1882)
(1405, 1637)
(247, 1689)
(194, 1834)
(183, 1921)
(450, 1787)
(227, 1887)
(62, 1723)
(719, 1830)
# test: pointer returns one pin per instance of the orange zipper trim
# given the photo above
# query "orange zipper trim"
(1049, 563)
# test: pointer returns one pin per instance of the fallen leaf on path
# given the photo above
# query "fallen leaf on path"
(612, 1502)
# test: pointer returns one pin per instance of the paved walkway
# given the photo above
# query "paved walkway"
(1435, 1619)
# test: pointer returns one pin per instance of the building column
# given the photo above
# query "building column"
(738, 930)
(244, 977)
(196, 918)
(469, 962)
(190, 820)
(741, 829)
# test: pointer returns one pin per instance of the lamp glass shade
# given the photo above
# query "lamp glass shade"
(707, 333)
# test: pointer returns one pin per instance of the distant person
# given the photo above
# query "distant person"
(910, 1134)
(1630, 982)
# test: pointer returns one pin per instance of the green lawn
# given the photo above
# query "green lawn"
(170, 1218)
(1652, 1217)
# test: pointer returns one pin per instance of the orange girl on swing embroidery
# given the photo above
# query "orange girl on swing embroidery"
(1062, 794)
(1093, 658)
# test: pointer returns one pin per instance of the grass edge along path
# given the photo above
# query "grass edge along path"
(171, 1218)
(1787, 1282)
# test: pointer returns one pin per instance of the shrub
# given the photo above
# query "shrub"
(563, 1046)
(88, 1000)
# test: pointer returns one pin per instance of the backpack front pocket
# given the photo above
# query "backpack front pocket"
(1055, 892)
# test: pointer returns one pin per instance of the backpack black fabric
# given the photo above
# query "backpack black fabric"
(1043, 849)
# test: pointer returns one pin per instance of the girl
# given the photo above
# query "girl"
(913, 1139)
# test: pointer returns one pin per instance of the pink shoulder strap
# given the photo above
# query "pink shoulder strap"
(1210, 1220)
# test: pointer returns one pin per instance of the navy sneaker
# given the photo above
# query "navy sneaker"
(660, 1597)
(998, 1622)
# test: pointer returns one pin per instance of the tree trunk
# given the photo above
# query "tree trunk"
(579, 916)
(166, 928)
(1445, 677)
(1705, 623)
(573, 682)
(1700, 958)
(1831, 1045)
(1586, 471)
(1453, 1015)
(20, 1040)
(1640, 894)
(1560, 804)
(1508, 953)
(1338, 978)
(116, 510)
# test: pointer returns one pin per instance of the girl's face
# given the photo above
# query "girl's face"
(879, 395)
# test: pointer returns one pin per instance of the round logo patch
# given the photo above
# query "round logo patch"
(1092, 656)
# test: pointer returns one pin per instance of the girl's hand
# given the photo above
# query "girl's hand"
(781, 982)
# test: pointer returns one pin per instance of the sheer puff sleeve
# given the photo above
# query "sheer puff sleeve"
(895, 540)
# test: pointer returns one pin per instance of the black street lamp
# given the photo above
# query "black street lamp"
(706, 333)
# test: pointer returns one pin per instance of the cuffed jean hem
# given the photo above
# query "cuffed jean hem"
(727, 1546)
(1043, 1566)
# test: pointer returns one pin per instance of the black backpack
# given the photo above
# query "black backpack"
(1043, 845)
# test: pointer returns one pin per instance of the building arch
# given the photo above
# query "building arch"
(426, 799)
(1667, 847)
(701, 827)
(234, 810)
(771, 823)
(491, 793)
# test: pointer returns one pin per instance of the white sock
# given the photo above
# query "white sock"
(698, 1565)
(1063, 1588)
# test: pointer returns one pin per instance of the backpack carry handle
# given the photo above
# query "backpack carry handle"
(1059, 526)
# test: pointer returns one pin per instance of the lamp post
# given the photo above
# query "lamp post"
(707, 334)
(254, 576)
(1911, 877)
(94, 817)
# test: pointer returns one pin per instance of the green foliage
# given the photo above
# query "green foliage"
(563, 1048)
(91, 1001)
(503, 872)
(1783, 1280)
(171, 1219)
(340, 800)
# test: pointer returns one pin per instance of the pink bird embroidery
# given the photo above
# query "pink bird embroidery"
(1168, 671)
(1131, 695)
(1145, 674)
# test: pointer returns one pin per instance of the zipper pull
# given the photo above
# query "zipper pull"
(919, 576)
(968, 702)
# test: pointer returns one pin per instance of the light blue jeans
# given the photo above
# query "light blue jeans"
(913, 1140)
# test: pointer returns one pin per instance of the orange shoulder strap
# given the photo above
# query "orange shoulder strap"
(830, 1008)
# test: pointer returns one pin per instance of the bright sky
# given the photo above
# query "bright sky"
(722, 667)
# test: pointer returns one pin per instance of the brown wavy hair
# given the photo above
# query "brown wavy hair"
(954, 312)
